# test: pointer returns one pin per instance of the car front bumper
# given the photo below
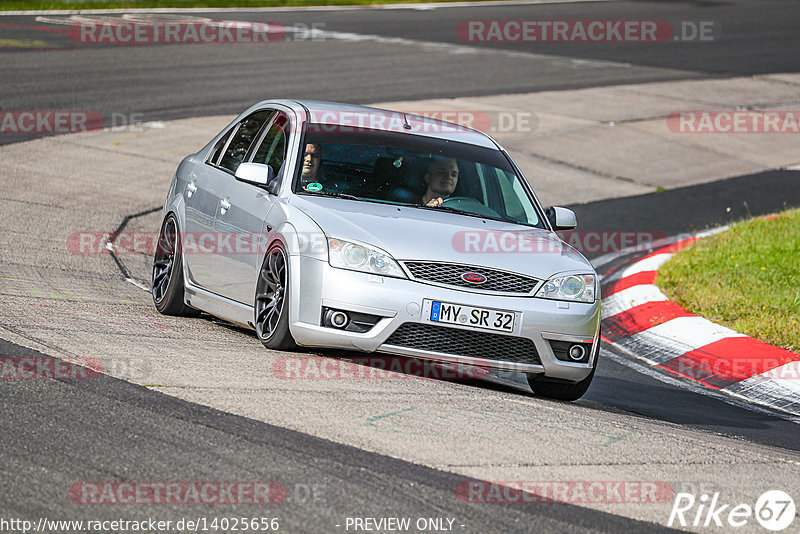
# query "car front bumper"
(400, 301)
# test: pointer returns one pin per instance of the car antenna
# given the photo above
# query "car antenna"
(406, 125)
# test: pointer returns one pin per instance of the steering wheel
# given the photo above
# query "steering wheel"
(470, 205)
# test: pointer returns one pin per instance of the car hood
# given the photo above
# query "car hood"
(418, 234)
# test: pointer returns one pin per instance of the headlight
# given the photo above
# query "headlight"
(574, 287)
(346, 255)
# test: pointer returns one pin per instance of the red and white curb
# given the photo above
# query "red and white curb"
(639, 319)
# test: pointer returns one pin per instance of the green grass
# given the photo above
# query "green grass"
(746, 278)
(18, 5)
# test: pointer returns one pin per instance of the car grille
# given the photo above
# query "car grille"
(468, 343)
(450, 274)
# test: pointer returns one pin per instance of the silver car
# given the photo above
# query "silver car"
(320, 224)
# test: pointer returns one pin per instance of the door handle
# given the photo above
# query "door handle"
(224, 205)
(191, 188)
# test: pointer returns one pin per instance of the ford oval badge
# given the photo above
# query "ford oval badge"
(473, 278)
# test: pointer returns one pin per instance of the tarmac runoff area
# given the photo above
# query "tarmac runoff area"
(79, 306)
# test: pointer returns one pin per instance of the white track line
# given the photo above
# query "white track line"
(630, 298)
(675, 338)
(650, 263)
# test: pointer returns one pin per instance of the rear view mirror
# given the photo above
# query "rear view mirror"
(561, 218)
(255, 173)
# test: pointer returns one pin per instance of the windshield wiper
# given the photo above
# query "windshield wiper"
(329, 194)
(460, 212)
(444, 208)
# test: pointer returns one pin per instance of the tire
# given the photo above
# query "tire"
(166, 283)
(559, 389)
(271, 306)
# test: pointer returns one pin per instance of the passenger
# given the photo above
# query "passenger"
(441, 178)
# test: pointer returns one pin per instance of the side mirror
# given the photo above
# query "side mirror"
(255, 173)
(561, 218)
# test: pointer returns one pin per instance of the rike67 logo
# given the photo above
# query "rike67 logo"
(774, 510)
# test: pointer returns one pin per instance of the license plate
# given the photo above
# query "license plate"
(484, 318)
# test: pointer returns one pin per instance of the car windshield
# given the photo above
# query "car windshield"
(413, 170)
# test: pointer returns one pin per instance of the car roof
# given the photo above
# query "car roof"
(337, 113)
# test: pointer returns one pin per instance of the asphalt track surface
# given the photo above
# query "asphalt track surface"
(58, 432)
(110, 426)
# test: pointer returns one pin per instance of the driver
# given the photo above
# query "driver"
(441, 178)
(311, 161)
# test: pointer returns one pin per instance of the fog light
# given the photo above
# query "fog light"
(577, 352)
(349, 321)
(339, 319)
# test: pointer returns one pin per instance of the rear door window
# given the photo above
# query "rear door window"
(246, 133)
(272, 148)
(216, 152)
